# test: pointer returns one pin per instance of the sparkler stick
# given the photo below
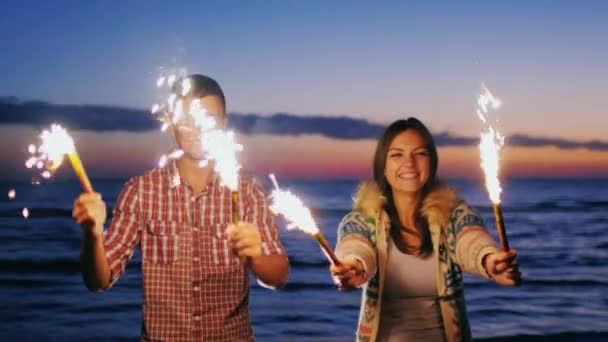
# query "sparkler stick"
(56, 144)
(235, 206)
(85, 183)
(299, 216)
(490, 145)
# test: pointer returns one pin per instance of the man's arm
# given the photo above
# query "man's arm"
(104, 257)
(90, 212)
(272, 270)
(260, 241)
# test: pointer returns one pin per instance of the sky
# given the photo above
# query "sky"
(380, 61)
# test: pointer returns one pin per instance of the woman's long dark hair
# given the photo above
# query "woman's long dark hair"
(380, 156)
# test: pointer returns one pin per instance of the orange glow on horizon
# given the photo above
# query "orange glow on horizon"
(126, 154)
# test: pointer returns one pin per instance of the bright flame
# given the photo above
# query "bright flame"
(171, 101)
(170, 80)
(11, 194)
(25, 212)
(186, 86)
(166, 157)
(490, 146)
(219, 146)
(291, 207)
(163, 160)
(56, 143)
(176, 154)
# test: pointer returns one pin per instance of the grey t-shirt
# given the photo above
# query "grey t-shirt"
(410, 310)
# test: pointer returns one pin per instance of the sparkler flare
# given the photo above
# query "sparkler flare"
(219, 146)
(25, 213)
(171, 79)
(12, 194)
(292, 208)
(490, 146)
(56, 144)
(298, 216)
(186, 86)
(166, 157)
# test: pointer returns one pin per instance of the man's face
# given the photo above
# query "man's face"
(188, 135)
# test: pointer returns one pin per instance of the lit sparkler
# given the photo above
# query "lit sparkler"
(490, 146)
(299, 217)
(56, 144)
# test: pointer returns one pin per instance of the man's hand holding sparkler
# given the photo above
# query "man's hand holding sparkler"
(349, 273)
(90, 212)
(502, 267)
(246, 239)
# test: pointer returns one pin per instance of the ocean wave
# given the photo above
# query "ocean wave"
(559, 337)
(37, 213)
(546, 282)
(62, 266)
(297, 286)
(549, 206)
(557, 205)
(300, 264)
(42, 212)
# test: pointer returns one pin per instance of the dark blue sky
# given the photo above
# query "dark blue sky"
(379, 61)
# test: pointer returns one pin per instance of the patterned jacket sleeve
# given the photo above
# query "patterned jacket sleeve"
(356, 237)
(124, 233)
(473, 242)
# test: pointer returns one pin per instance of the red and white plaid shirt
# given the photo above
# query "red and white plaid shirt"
(195, 287)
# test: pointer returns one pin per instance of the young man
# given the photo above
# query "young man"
(195, 263)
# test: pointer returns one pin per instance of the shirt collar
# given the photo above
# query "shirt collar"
(175, 180)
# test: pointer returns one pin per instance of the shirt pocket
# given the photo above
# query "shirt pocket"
(223, 257)
(160, 242)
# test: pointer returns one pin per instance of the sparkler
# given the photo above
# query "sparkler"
(299, 216)
(56, 144)
(490, 146)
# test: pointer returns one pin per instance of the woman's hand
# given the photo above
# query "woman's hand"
(349, 274)
(502, 267)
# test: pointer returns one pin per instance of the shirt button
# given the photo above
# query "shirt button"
(196, 259)
(197, 318)
(196, 289)
(193, 199)
(195, 229)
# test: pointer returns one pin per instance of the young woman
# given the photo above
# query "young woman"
(408, 240)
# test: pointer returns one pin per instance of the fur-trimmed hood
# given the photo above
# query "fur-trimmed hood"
(437, 206)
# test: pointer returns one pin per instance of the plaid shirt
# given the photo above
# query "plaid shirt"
(195, 287)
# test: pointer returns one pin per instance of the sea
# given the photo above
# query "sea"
(559, 228)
